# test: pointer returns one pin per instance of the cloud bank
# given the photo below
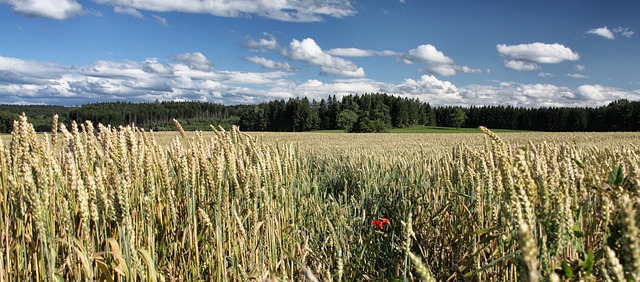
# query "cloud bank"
(191, 76)
(284, 10)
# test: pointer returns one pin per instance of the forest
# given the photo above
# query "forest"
(373, 112)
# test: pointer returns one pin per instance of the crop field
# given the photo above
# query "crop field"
(122, 204)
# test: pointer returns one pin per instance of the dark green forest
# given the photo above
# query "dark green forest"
(352, 113)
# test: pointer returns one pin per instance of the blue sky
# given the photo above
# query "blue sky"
(520, 53)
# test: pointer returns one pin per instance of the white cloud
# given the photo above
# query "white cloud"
(624, 31)
(521, 65)
(525, 57)
(519, 95)
(544, 95)
(152, 65)
(128, 11)
(53, 9)
(437, 62)
(611, 34)
(426, 53)
(538, 53)
(427, 88)
(282, 10)
(309, 52)
(601, 95)
(262, 45)
(23, 81)
(441, 69)
(427, 84)
(576, 75)
(603, 32)
(195, 60)
(356, 52)
(269, 64)
(175, 78)
(160, 20)
(316, 89)
(466, 69)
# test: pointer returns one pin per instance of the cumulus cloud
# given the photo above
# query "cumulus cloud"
(602, 95)
(544, 95)
(426, 53)
(53, 9)
(152, 65)
(31, 82)
(440, 69)
(356, 52)
(38, 82)
(518, 94)
(427, 85)
(309, 52)
(607, 33)
(538, 52)
(525, 57)
(175, 78)
(437, 62)
(426, 88)
(521, 65)
(316, 89)
(195, 60)
(269, 64)
(285, 10)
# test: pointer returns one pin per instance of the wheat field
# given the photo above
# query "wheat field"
(121, 204)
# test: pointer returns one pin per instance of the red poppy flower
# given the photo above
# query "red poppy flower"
(380, 223)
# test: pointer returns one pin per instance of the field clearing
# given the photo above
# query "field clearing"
(122, 204)
(348, 142)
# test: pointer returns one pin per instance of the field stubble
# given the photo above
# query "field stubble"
(116, 204)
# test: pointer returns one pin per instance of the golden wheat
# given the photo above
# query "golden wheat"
(104, 203)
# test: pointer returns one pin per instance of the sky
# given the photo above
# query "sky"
(458, 52)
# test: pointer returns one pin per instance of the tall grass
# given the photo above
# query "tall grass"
(115, 204)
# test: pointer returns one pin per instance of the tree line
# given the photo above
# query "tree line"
(375, 112)
(353, 113)
(157, 116)
(380, 112)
